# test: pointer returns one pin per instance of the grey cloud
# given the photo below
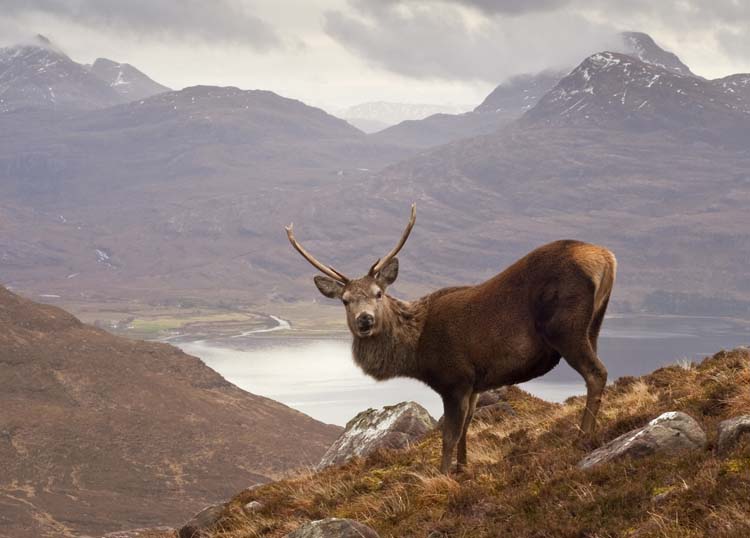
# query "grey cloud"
(511, 7)
(215, 20)
(432, 40)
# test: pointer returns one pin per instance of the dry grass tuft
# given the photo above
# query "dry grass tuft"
(522, 480)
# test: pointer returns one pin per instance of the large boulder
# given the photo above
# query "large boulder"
(333, 528)
(730, 432)
(669, 432)
(394, 426)
(203, 522)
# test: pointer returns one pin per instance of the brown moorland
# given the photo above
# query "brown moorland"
(522, 479)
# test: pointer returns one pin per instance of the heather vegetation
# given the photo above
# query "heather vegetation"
(523, 480)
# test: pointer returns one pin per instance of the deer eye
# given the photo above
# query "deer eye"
(345, 301)
(379, 295)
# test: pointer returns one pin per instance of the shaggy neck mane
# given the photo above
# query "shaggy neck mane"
(392, 352)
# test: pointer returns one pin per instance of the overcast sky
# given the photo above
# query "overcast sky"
(335, 53)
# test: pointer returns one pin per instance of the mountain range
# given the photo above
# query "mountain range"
(190, 188)
(39, 75)
(511, 99)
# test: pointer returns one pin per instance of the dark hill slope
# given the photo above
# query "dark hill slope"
(97, 432)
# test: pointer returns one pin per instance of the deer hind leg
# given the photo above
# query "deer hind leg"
(462, 459)
(575, 339)
(456, 407)
(586, 363)
(596, 325)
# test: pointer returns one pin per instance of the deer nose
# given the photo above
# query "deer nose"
(365, 322)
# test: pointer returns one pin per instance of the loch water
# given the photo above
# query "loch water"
(318, 376)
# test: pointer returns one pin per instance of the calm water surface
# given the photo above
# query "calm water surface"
(318, 377)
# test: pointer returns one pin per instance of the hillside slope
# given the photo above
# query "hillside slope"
(99, 433)
(522, 479)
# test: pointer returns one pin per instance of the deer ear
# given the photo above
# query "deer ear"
(388, 274)
(329, 287)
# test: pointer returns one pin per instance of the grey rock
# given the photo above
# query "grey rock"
(730, 432)
(202, 522)
(333, 528)
(252, 506)
(394, 427)
(495, 410)
(491, 397)
(669, 432)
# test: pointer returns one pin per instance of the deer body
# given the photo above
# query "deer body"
(512, 328)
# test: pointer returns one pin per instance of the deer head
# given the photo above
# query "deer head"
(364, 298)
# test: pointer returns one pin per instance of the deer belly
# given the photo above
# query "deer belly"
(510, 370)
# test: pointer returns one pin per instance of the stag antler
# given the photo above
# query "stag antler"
(375, 269)
(325, 269)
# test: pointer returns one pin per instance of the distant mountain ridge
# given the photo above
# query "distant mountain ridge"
(126, 80)
(189, 188)
(381, 114)
(643, 47)
(38, 74)
(611, 89)
(514, 97)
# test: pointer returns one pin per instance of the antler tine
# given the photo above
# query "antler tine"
(325, 269)
(385, 259)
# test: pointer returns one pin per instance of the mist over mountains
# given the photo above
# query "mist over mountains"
(187, 191)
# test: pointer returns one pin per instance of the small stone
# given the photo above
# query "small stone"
(669, 432)
(494, 411)
(252, 506)
(491, 397)
(730, 432)
(333, 528)
(202, 522)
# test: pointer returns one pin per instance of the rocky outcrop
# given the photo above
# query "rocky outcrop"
(730, 432)
(493, 404)
(202, 522)
(395, 426)
(333, 528)
(669, 432)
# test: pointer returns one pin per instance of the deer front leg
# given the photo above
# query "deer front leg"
(455, 409)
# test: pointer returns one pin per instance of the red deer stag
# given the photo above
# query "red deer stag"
(464, 340)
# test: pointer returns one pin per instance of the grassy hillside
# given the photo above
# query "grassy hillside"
(522, 480)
